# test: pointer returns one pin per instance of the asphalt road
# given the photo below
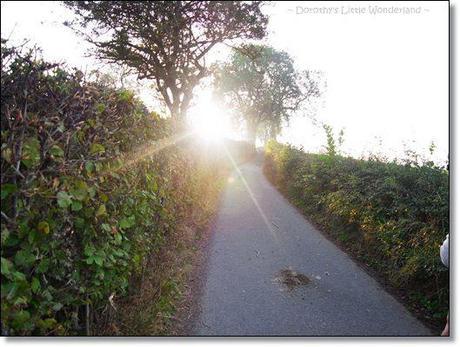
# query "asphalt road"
(242, 294)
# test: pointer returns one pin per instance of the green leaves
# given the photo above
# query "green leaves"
(24, 258)
(106, 227)
(96, 148)
(20, 318)
(6, 153)
(72, 201)
(35, 286)
(43, 266)
(76, 206)
(7, 189)
(56, 151)
(89, 250)
(18, 276)
(89, 167)
(101, 211)
(46, 324)
(78, 193)
(100, 108)
(6, 266)
(98, 260)
(270, 76)
(118, 238)
(80, 190)
(57, 306)
(31, 152)
(125, 95)
(94, 256)
(393, 217)
(43, 227)
(126, 223)
(64, 200)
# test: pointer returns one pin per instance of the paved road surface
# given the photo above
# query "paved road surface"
(241, 295)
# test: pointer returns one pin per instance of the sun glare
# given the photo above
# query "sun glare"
(209, 122)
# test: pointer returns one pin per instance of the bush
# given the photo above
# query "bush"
(393, 217)
(87, 195)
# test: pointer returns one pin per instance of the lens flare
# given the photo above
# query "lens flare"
(251, 194)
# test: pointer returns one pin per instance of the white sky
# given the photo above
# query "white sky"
(387, 74)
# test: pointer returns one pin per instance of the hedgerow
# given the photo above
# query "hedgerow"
(89, 190)
(392, 216)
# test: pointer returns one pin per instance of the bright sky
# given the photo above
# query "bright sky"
(387, 74)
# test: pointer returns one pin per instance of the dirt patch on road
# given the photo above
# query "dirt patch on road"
(291, 279)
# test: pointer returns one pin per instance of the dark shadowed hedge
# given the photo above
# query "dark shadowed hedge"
(393, 217)
(89, 188)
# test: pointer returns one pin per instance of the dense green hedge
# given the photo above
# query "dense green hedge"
(392, 216)
(85, 197)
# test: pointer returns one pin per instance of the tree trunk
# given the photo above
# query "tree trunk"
(273, 133)
(252, 133)
(175, 111)
(179, 104)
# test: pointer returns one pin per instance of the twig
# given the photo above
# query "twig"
(18, 172)
(18, 155)
(8, 219)
(87, 320)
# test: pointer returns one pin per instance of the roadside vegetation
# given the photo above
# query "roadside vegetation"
(391, 216)
(103, 201)
(90, 203)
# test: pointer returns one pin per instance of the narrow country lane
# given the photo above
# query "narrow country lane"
(242, 294)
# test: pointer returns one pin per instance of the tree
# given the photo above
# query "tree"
(262, 86)
(333, 144)
(166, 41)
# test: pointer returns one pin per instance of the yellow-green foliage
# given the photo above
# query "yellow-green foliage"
(393, 216)
(84, 198)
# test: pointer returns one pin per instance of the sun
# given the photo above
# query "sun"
(209, 122)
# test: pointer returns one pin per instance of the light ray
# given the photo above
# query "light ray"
(149, 149)
(251, 194)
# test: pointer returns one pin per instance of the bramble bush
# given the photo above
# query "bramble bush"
(86, 194)
(392, 216)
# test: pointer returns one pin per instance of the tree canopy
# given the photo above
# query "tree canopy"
(166, 41)
(263, 88)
